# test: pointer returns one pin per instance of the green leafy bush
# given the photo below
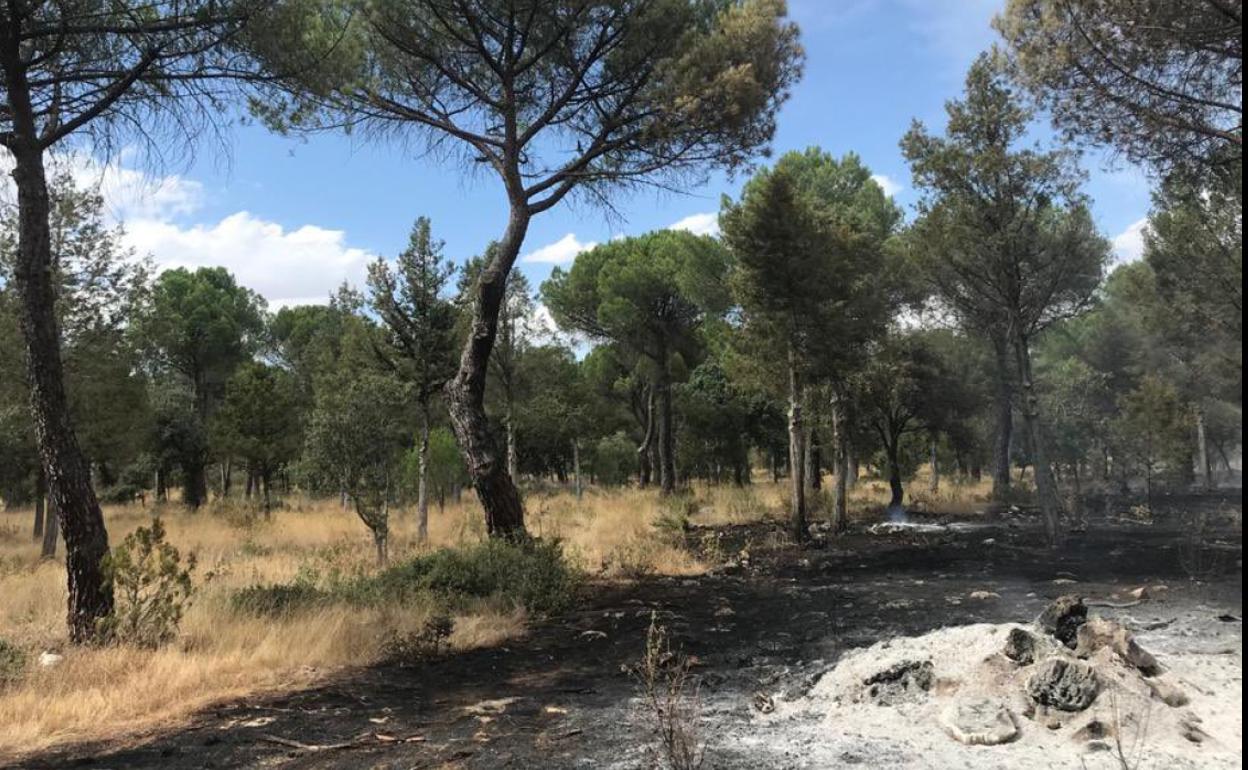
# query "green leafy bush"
(534, 575)
(417, 646)
(12, 663)
(152, 586)
(278, 599)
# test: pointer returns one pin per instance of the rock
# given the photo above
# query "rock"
(1094, 730)
(50, 659)
(1063, 684)
(1062, 618)
(1022, 646)
(901, 681)
(1167, 692)
(1191, 730)
(1099, 632)
(980, 722)
(764, 703)
(984, 595)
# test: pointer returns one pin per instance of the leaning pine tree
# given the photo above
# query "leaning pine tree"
(92, 73)
(554, 97)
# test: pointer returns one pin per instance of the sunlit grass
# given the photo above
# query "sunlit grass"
(221, 654)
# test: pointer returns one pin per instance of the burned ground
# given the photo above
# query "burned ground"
(772, 622)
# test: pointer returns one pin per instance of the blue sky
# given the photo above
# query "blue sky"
(294, 217)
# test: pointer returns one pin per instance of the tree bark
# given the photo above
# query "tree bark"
(897, 491)
(41, 494)
(576, 467)
(71, 497)
(1202, 451)
(935, 481)
(500, 499)
(1005, 422)
(645, 465)
(422, 484)
(797, 455)
(666, 439)
(1046, 489)
(840, 507)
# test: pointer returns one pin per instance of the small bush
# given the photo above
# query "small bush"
(151, 585)
(534, 575)
(12, 663)
(278, 600)
(675, 511)
(669, 694)
(428, 642)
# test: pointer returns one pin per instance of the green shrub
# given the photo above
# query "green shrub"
(417, 646)
(278, 599)
(151, 586)
(675, 510)
(534, 575)
(12, 663)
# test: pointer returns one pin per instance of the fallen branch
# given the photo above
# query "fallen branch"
(293, 744)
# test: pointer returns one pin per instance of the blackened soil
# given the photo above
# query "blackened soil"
(561, 697)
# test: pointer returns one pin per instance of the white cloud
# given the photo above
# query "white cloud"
(561, 252)
(1129, 244)
(286, 266)
(699, 224)
(890, 186)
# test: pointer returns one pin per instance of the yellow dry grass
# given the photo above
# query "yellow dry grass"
(220, 654)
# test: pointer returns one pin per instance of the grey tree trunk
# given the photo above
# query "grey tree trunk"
(72, 499)
(1202, 451)
(504, 511)
(1046, 489)
(645, 448)
(666, 439)
(797, 455)
(840, 507)
(935, 481)
(41, 494)
(576, 467)
(422, 485)
(51, 524)
(1005, 421)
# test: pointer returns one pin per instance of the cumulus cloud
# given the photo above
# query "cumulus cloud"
(1129, 244)
(561, 252)
(698, 224)
(295, 266)
(889, 185)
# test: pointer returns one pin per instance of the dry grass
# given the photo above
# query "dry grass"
(221, 654)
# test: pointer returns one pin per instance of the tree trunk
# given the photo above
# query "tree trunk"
(227, 475)
(422, 484)
(1046, 490)
(51, 523)
(71, 500)
(576, 467)
(1202, 452)
(897, 492)
(840, 507)
(1005, 421)
(513, 462)
(935, 481)
(797, 454)
(381, 541)
(266, 482)
(666, 439)
(645, 465)
(41, 493)
(500, 499)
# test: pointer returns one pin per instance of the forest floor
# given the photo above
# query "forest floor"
(763, 630)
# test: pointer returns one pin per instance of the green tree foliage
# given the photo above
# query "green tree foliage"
(1161, 82)
(813, 278)
(356, 439)
(420, 332)
(1153, 431)
(649, 295)
(558, 100)
(1005, 237)
(200, 326)
(259, 422)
